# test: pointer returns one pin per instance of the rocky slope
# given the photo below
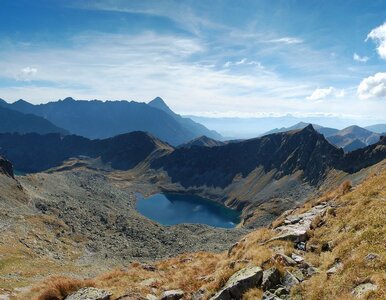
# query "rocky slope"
(6, 167)
(330, 248)
(83, 221)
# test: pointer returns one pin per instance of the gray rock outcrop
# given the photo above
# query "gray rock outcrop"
(271, 278)
(90, 293)
(239, 283)
(172, 295)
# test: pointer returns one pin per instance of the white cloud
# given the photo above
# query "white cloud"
(26, 74)
(373, 87)
(286, 40)
(319, 94)
(359, 58)
(243, 61)
(378, 35)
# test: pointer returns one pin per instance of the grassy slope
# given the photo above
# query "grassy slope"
(356, 227)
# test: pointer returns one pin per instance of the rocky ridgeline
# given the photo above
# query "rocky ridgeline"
(295, 227)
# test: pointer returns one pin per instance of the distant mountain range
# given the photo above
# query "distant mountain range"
(350, 138)
(14, 121)
(243, 127)
(378, 128)
(98, 119)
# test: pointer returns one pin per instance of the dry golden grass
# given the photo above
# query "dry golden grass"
(58, 287)
(355, 229)
(253, 294)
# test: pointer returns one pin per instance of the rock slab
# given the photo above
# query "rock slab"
(172, 295)
(239, 283)
(90, 293)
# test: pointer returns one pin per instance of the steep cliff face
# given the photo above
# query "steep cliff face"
(362, 158)
(286, 153)
(304, 150)
(6, 167)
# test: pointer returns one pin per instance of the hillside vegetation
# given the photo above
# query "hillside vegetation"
(345, 249)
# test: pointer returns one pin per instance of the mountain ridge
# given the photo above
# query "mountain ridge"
(349, 138)
(15, 121)
(33, 152)
(103, 119)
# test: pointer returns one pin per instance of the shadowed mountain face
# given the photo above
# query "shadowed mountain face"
(6, 167)
(286, 153)
(34, 152)
(97, 119)
(14, 121)
(362, 158)
(197, 129)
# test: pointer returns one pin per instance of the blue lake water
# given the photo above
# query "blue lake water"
(172, 209)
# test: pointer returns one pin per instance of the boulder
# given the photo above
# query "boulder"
(289, 280)
(327, 246)
(148, 282)
(292, 219)
(270, 296)
(90, 293)
(362, 289)
(199, 295)
(335, 268)
(371, 256)
(297, 258)
(284, 260)
(172, 295)
(239, 283)
(291, 233)
(281, 292)
(298, 274)
(296, 226)
(271, 278)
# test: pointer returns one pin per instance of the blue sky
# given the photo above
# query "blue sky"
(210, 58)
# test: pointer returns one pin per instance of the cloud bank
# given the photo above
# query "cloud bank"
(320, 94)
(373, 87)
